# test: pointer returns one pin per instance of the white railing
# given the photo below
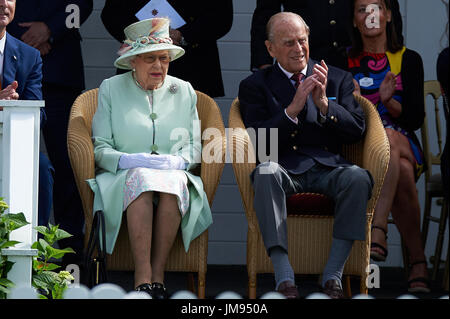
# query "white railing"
(19, 173)
(113, 291)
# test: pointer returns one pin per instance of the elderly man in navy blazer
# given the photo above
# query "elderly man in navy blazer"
(21, 75)
(50, 26)
(312, 107)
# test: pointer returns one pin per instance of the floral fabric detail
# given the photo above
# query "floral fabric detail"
(141, 180)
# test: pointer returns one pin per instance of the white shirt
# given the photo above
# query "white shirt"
(2, 54)
(289, 75)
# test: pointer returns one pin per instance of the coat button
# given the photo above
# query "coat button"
(293, 135)
(332, 22)
(335, 44)
(154, 148)
(294, 147)
(332, 1)
(153, 116)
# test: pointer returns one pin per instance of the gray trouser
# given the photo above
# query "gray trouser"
(350, 188)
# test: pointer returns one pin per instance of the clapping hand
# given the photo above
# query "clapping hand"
(357, 89)
(301, 95)
(9, 92)
(387, 87)
(37, 34)
(319, 94)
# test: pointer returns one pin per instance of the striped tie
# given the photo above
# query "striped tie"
(297, 78)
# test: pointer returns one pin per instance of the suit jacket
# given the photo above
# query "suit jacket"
(64, 64)
(264, 95)
(206, 22)
(23, 63)
(328, 39)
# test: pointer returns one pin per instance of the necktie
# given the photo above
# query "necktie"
(298, 77)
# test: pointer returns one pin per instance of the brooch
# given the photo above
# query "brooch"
(173, 88)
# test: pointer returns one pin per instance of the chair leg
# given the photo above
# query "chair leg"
(363, 285)
(347, 286)
(426, 218)
(191, 282)
(445, 281)
(440, 239)
(252, 286)
(201, 285)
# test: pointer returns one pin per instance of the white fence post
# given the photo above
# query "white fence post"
(19, 164)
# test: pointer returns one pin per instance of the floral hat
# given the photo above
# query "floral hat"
(146, 36)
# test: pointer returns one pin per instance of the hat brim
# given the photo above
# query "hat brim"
(123, 62)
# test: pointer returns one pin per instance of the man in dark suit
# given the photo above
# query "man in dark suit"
(44, 25)
(329, 20)
(21, 75)
(206, 22)
(313, 121)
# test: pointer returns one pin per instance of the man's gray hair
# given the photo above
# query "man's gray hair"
(282, 17)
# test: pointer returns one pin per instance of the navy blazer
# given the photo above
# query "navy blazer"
(264, 95)
(64, 64)
(23, 63)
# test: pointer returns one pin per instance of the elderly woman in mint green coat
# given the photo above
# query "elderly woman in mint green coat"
(146, 139)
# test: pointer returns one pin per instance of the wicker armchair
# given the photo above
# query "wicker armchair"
(309, 235)
(81, 153)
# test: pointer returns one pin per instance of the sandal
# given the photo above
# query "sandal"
(159, 291)
(374, 255)
(145, 288)
(424, 280)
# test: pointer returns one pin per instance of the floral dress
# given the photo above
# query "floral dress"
(143, 179)
(369, 70)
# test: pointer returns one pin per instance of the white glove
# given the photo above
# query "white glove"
(147, 160)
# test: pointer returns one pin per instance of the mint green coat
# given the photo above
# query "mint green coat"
(123, 124)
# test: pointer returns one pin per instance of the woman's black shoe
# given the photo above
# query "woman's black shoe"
(145, 288)
(158, 291)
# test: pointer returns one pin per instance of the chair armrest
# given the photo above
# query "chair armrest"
(242, 154)
(213, 142)
(81, 154)
(376, 149)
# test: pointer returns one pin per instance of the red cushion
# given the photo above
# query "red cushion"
(310, 204)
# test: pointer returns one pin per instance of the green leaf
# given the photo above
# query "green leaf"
(43, 245)
(41, 266)
(6, 244)
(4, 290)
(41, 229)
(61, 234)
(8, 266)
(6, 283)
(3, 205)
(58, 253)
(45, 280)
(15, 221)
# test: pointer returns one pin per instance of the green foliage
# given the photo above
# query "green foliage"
(8, 223)
(44, 279)
(52, 284)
